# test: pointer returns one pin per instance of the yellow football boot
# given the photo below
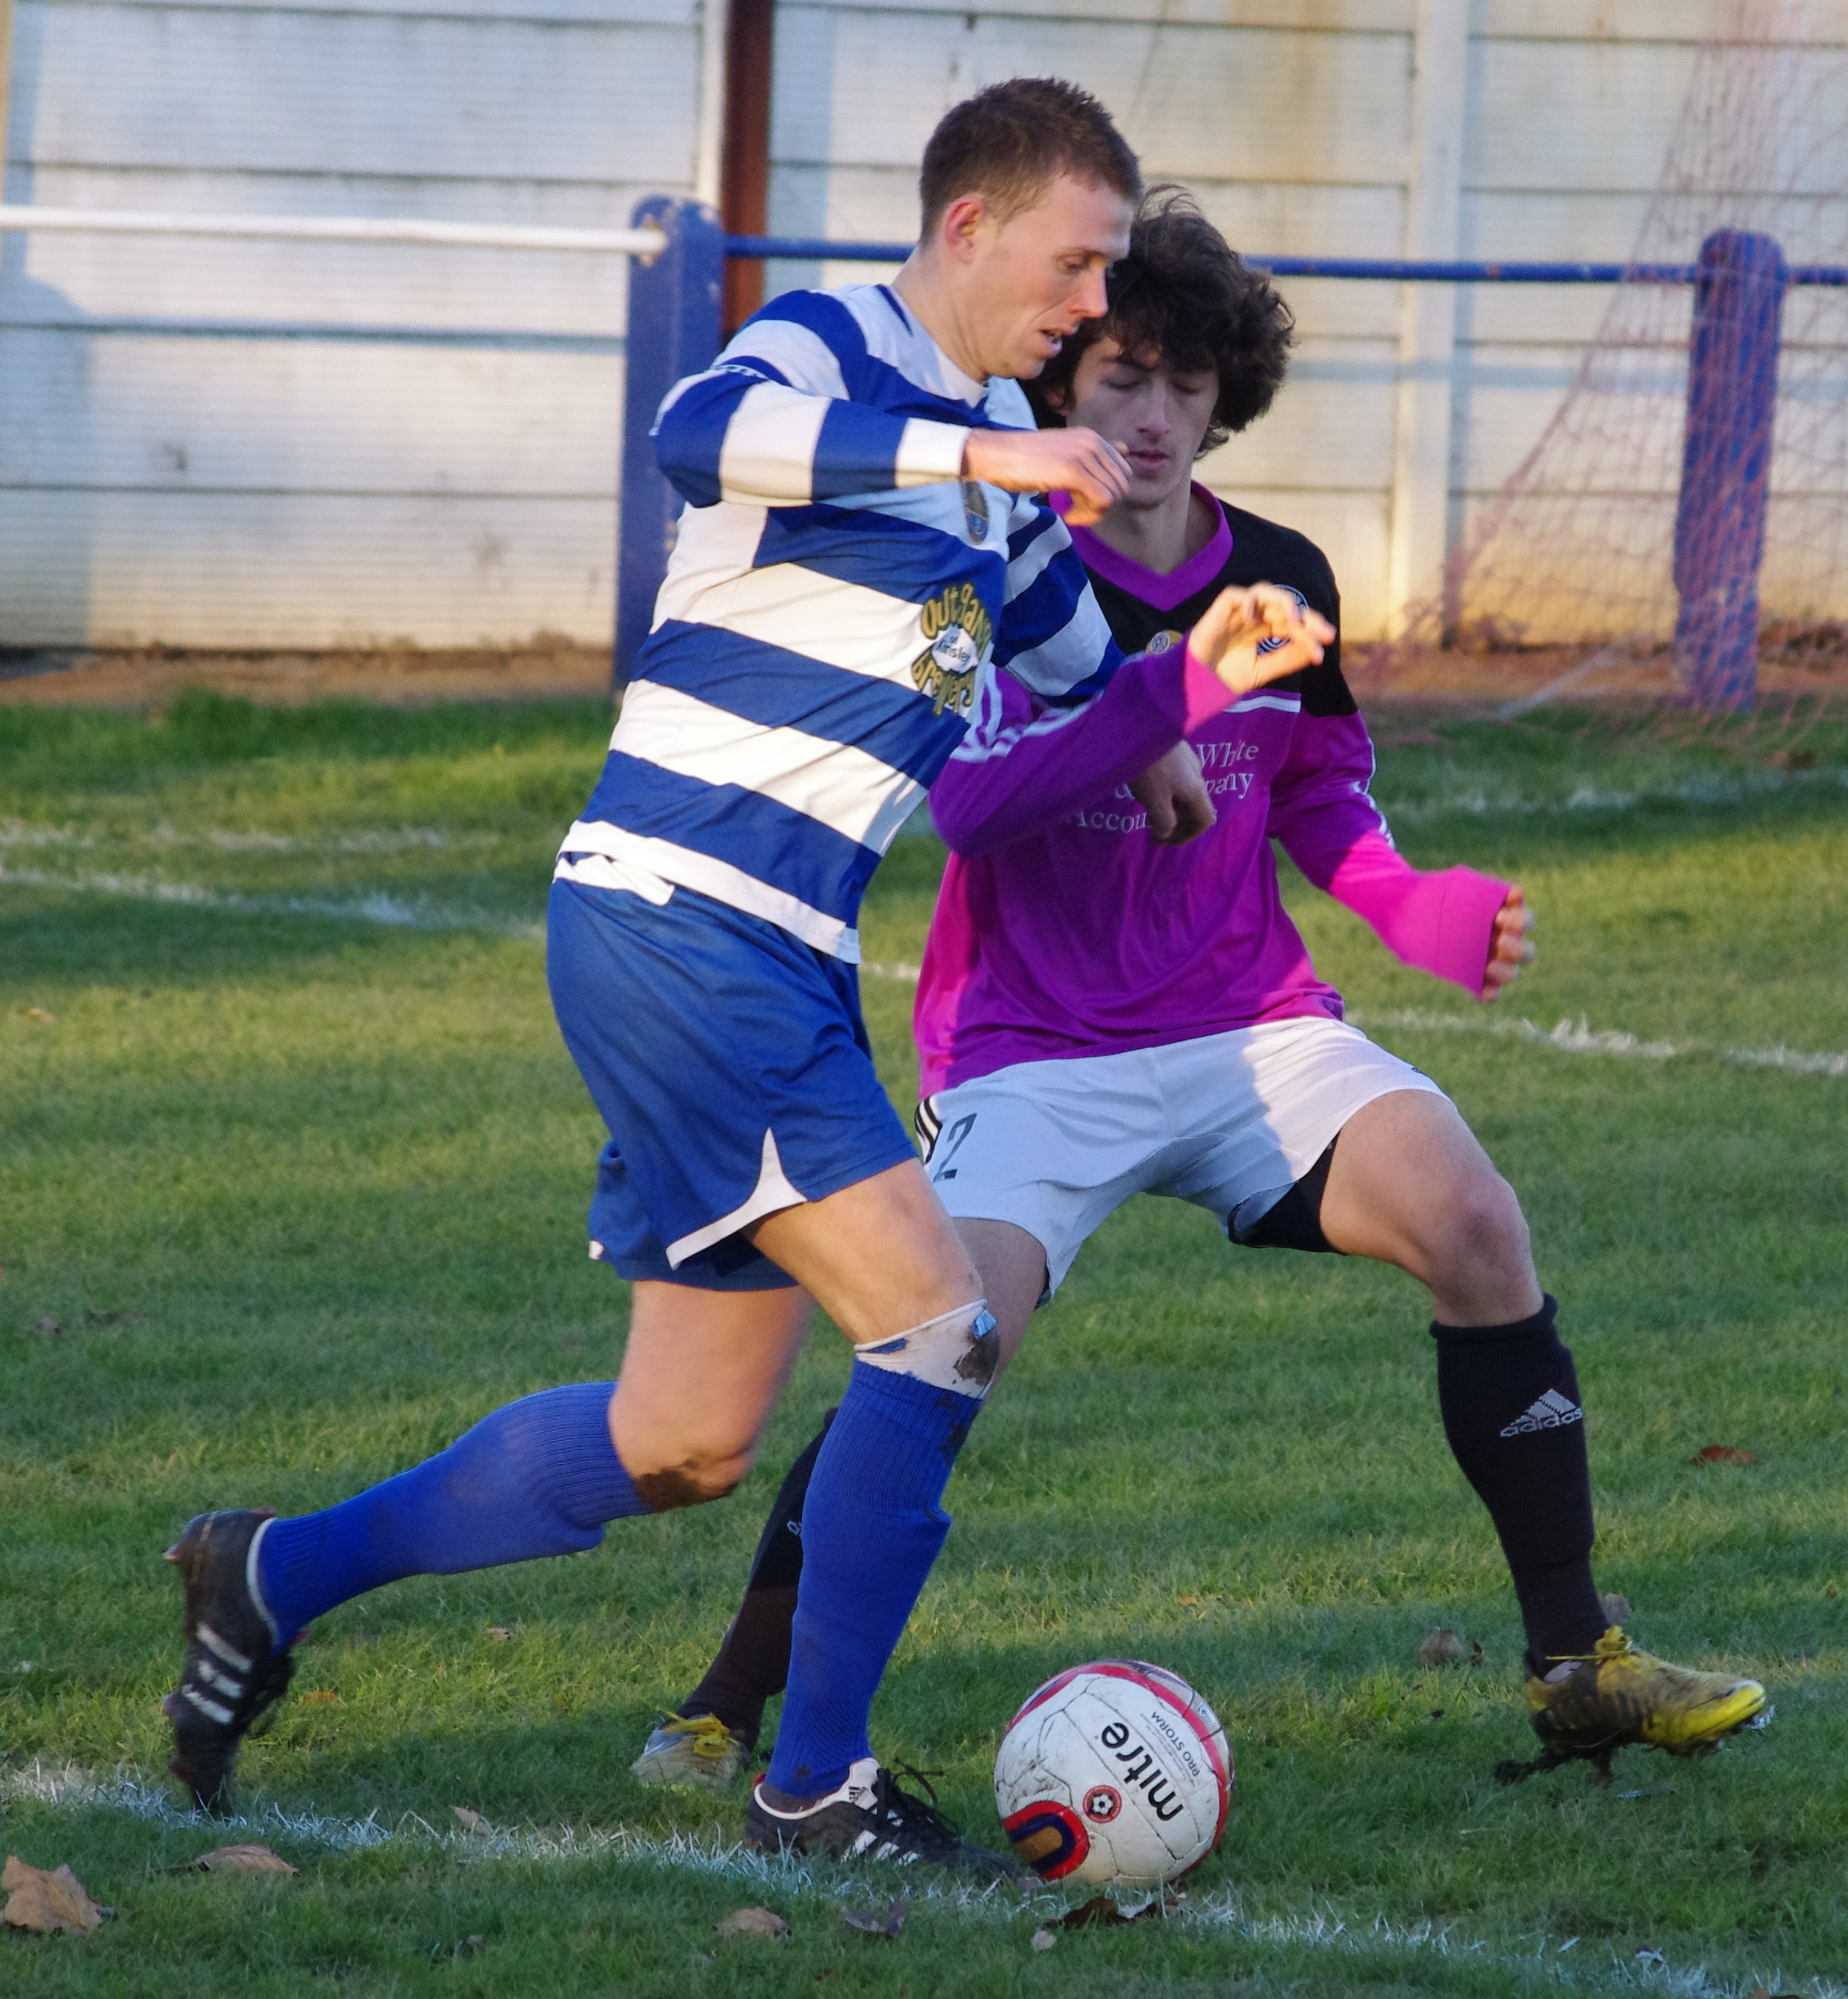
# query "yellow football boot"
(697, 1751)
(1617, 1695)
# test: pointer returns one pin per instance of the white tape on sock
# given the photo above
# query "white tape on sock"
(958, 1351)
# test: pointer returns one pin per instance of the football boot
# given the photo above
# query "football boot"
(697, 1751)
(1616, 1695)
(871, 1818)
(235, 1669)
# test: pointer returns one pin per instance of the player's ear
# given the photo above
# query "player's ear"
(961, 226)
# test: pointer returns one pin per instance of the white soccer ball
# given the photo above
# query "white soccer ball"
(1114, 1773)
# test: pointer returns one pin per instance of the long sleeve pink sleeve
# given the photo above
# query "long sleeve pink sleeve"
(1439, 922)
(1026, 765)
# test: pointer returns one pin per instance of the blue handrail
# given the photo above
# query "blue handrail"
(815, 249)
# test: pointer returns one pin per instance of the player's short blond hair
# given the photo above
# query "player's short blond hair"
(1009, 142)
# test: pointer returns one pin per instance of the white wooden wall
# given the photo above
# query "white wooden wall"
(169, 473)
(194, 448)
(1479, 129)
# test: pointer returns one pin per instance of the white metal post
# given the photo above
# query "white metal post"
(1428, 313)
(6, 82)
(708, 144)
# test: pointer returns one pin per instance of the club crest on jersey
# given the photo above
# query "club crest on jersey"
(957, 630)
(975, 511)
(1162, 642)
(1302, 604)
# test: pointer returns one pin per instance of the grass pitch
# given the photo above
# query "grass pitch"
(291, 1154)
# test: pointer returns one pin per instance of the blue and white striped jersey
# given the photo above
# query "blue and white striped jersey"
(837, 600)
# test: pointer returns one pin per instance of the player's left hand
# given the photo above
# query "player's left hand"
(1509, 947)
(1173, 792)
(1238, 621)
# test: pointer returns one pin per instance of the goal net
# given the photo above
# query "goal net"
(1564, 584)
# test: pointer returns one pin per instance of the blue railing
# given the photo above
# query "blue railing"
(1739, 283)
(1399, 270)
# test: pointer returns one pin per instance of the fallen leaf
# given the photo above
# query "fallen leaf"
(752, 1922)
(48, 1328)
(320, 1697)
(44, 1900)
(1102, 1913)
(501, 1632)
(1044, 1939)
(1099, 1913)
(473, 1822)
(1190, 1599)
(1617, 1607)
(441, 1951)
(869, 1922)
(37, 1013)
(243, 1860)
(1437, 1714)
(1440, 1648)
(1722, 1453)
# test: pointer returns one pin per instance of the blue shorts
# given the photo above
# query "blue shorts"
(730, 1063)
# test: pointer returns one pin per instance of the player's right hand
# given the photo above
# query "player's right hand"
(1509, 946)
(1078, 462)
(1173, 792)
(1238, 621)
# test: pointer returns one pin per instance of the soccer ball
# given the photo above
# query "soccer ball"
(1116, 1773)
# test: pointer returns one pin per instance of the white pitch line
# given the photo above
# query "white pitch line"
(379, 907)
(1708, 791)
(68, 1788)
(1568, 1037)
(17, 833)
(1578, 1037)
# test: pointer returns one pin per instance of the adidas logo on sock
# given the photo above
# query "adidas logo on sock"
(1553, 1412)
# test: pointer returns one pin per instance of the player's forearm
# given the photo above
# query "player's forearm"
(1038, 768)
(733, 435)
(1440, 922)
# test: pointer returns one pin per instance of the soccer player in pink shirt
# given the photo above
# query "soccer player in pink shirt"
(1115, 1001)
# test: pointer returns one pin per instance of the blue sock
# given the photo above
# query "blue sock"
(871, 1525)
(538, 1477)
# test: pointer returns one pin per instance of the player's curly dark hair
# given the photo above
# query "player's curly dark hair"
(1183, 292)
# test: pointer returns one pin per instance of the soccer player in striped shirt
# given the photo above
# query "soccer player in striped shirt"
(860, 562)
(1100, 1014)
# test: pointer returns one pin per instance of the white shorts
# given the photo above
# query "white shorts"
(1230, 1122)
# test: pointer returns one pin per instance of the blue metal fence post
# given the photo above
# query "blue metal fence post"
(673, 331)
(1726, 466)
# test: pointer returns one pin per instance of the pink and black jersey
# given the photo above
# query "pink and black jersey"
(1062, 929)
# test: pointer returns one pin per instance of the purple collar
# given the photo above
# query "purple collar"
(1160, 593)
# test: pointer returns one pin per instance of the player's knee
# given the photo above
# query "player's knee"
(691, 1476)
(1484, 1227)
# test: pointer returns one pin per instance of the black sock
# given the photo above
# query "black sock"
(1509, 1400)
(753, 1663)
